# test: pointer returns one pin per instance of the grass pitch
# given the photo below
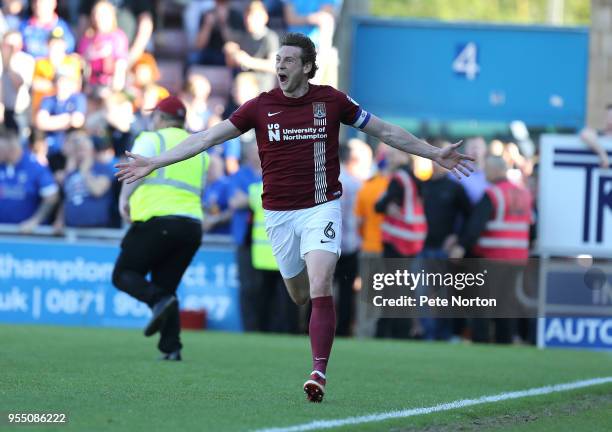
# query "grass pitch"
(109, 379)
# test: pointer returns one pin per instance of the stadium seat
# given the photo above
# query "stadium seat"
(171, 43)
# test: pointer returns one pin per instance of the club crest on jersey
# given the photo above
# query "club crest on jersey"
(318, 109)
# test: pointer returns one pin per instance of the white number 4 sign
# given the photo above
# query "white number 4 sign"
(466, 62)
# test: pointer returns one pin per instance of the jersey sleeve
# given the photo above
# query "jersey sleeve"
(45, 182)
(351, 113)
(245, 117)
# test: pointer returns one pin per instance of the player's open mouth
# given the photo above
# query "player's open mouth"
(282, 77)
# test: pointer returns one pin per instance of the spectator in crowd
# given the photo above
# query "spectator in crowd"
(519, 167)
(28, 193)
(17, 70)
(45, 69)
(145, 91)
(104, 48)
(314, 18)
(218, 25)
(119, 116)
(143, 116)
(353, 156)
(476, 184)
(195, 97)
(144, 77)
(272, 306)
(591, 138)
(229, 151)
(63, 111)
(192, 18)
(244, 88)
(403, 229)
(38, 28)
(11, 15)
(255, 49)
(504, 243)
(249, 173)
(444, 202)
(317, 20)
(104, 152)
(4, 27)
(87, 186)
(275, 9)
(38, 147)
(368, 225)
(402, 202)
(134, 17)
(496, 148)
(217, 214)
(105, 155)
(109, 119)
(95, 121)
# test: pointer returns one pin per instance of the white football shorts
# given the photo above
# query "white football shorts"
(294, 233)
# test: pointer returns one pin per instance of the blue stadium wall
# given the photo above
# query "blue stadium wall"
(430, 70)
(47, 281)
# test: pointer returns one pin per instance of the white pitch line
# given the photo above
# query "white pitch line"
(538, 391)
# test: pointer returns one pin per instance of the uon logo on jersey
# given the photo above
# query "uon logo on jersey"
(318, 109)
(273, 132)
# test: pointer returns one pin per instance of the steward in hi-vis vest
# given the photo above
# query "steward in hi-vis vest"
(165, 209)
(403, 232)
(498, 227)
(498, 232)
(262, 257)
(274, 310)
(506, 234)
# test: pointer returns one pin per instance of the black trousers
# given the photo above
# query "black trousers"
(276, 311)
(499, 330)
(249, 282)
(163, 247)
(345, 275)
(395, 328)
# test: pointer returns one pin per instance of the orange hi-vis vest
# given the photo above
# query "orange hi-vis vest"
(506, 236)
(406, 234)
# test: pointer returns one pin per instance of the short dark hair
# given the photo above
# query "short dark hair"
(171, 120)
(309, 52)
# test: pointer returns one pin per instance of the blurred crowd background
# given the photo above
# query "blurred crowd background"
(79, 80)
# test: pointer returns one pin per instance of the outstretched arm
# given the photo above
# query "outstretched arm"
(401, 139)
(141, 166)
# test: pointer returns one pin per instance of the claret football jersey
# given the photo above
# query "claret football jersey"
(298, 143)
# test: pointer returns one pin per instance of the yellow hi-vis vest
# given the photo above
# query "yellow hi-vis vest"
(262, 257)
(172, 190)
